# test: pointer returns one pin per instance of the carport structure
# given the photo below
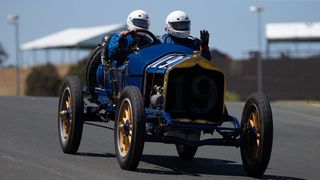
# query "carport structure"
(291, 33)
(71, 39)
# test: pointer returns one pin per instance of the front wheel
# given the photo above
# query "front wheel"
(257, 134)
(70, 115)
(129, 128)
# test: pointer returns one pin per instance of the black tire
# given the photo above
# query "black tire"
(92, 66)
(186, 152)
(257, 126)
(129, 128)
(70, 115)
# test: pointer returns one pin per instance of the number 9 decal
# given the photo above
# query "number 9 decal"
(203, 94)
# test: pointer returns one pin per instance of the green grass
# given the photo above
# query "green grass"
(232, 96)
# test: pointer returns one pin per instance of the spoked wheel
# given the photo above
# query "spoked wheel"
(257, 126)
(70, 113)
(92, 66)
(125, 127)
(129, 128)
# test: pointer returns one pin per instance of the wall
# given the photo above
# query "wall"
(285, 79)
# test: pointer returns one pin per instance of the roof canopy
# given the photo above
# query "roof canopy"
(293, 32)
(74, 37)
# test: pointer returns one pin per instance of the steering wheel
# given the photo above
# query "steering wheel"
(138, 34)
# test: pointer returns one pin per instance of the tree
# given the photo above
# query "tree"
(3, 55)
(43, 80)
(79, 69)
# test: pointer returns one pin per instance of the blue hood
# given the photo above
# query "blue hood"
(165, 54)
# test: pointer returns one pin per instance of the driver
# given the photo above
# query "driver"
(118, 47)
(178, 32)
(121, 45)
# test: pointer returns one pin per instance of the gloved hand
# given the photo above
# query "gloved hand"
(204, 40)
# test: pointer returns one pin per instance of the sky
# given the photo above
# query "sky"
(232, 27)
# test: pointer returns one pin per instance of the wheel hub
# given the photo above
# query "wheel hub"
(254, 133)
(127, 127)
(65, 115)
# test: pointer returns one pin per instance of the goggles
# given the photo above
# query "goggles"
(141, 23)
(181, 26)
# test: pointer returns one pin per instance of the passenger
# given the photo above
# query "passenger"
(178, 32)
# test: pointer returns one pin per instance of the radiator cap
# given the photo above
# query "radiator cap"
(196, 53)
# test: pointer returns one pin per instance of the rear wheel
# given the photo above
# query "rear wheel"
(257, 126)
(186, 152)
(92, 66)
(70, 114)
(129, 128)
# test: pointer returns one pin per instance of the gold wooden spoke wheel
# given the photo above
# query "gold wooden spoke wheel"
(70, 115)
(125, 127)
(254, 123)
(65, 115)
(129, 128)
(257, 134)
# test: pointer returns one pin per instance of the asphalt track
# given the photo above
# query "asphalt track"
(29, 148)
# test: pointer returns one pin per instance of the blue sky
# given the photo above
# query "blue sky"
(232, 26)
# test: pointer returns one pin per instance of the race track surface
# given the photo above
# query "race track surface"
(30, 149)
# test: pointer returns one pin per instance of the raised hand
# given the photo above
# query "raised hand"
(204, 40)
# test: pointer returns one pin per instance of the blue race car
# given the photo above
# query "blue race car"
(163, 93)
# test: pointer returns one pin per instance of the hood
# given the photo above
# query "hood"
(170, 60)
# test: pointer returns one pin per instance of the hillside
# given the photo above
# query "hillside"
(8, 79)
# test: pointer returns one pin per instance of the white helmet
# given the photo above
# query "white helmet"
(178, 24)
(138, 19)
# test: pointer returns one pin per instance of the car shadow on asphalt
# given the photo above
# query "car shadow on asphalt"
(106, 155)
(98, 125)
(197, 167)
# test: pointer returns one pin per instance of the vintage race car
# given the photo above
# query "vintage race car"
(163, 93)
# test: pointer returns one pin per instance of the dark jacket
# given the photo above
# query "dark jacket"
(120, 47)
(190, 42)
